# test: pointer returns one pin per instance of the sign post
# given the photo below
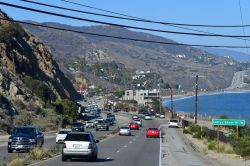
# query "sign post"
(227, 122)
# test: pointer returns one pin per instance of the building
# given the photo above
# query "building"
(143, 97)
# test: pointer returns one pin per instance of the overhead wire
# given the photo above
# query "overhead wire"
(161, 22)
(118, 37)
(131, 18)
(243, 29)
(113, 24)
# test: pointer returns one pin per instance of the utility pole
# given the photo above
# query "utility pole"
(160, 96)
(196, 99)
(172, 103)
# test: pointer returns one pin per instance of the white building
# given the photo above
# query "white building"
(142, 97)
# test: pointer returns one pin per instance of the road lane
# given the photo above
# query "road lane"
(122, 150)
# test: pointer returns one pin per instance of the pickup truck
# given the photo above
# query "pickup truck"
(24, 138)
(102, 124)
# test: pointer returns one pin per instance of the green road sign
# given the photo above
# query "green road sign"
(228, 122)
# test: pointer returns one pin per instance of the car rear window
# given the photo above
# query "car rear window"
(175, 121)
(64, 132)
(77, 137)
(153, 129)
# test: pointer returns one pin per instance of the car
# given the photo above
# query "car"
(138, 121)
(162, 116)
(77, 126)
(153, 132)
(135, 117)
(25, 138)
(157, 115)
(124, 130)
(80, 145)
(134, 126)
(102, 124)
(147, 117)
(90, 124)
(61, 135)
(111, 121)
(173, 123)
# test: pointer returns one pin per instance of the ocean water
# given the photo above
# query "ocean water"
(234, 105)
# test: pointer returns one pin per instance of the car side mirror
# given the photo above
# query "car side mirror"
(97, 141)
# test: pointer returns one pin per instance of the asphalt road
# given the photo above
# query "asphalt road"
(132, 150)
(51, 138)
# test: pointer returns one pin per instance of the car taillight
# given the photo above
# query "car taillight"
(90, 146)
(64, 145)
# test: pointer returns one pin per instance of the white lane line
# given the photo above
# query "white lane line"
(118, 151)
(125, 146)
(133, 139)
(160, 149)
(130, 142)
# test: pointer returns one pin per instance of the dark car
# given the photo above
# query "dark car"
(102, 125)
(24, 138)
(77, 126)
(111, 121)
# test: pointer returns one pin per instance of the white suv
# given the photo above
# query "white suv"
(173, 123)
(80, 145)
(61, 135)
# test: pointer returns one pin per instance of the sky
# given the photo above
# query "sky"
(215, 12)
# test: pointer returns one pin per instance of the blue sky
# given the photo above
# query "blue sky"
(222, 12)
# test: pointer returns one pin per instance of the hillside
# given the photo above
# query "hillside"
(236, 55)
(175, 64)
(29, 77)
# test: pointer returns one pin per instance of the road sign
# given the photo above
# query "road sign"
(228, 122)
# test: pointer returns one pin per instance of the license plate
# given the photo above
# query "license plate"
(20, 146)
(77, 146)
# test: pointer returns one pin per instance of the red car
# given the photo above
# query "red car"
(134, 126)
(153, 132)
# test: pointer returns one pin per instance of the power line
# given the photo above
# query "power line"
(119, 37)
(160, 22)
(118, 25)
(111, 16)
(243, 29)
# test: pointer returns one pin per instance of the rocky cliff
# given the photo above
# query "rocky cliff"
(28, 72)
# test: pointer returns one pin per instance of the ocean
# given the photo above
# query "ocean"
(234, 105)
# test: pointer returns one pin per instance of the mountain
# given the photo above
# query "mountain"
(236, 55)
(175, 64)
(29, 76)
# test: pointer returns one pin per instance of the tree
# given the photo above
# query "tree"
(119, 93)
(67, 109)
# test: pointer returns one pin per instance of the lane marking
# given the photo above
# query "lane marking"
(118, 151)
(130, 142)
(125, 146)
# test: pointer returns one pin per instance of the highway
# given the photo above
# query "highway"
(51, 138)
(137, 150)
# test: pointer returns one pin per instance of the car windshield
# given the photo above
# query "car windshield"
(77, 124)
(77, 137)
(25, 130)
(64, 131)
(90, 122)
(173, 120)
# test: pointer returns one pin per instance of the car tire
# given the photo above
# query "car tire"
(96, 129)
(107, 129)
(10, 150)
(64, 158)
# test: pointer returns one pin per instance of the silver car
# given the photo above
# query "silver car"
(138, 121)
(80, 145)
(125, 131)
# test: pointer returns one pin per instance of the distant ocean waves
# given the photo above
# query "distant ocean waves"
(232, 104)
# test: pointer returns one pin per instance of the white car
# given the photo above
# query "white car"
(61, 135)
(162, 116)
(125, 131)
(135, 117)
(173, 123)
(80, 145)
(157, 115)
(147, 117)
(90, 124)
(138, 121)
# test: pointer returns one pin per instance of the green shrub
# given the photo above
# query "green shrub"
(194, 128)
(241, 146)
(39, 154)
(211, 145)
(199, 134)
(24, 118)
(187, 131)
